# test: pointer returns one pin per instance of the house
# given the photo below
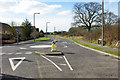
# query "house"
(5, 28)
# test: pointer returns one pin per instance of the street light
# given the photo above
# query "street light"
(102, 22)
(46, 28)
(54, 32)
(34, 21)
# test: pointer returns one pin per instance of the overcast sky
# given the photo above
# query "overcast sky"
(57, 12)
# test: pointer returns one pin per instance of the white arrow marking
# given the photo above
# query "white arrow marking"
(15, 66)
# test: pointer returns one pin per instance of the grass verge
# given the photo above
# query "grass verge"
(43, 39)
(93, 47)
(97, 48)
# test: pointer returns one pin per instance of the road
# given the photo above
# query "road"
(20, 62)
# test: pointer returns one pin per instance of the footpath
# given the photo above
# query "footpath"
(113, 52)
(105, 48)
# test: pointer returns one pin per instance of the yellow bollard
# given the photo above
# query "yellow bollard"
(55, 40)
(53, 48)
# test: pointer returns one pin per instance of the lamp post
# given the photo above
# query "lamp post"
(34, 21)
(54, 32)
(102, 22)
(46, 27)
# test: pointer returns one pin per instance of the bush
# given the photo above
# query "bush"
(7, 36)
(111, 33)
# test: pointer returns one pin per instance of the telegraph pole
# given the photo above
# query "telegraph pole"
(102, 22)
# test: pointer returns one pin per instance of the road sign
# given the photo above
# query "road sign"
(17, 31)
(72, 31)
(91, 30)
(53, 42)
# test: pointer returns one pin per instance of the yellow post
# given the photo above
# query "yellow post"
(53, 48)
(55, 40)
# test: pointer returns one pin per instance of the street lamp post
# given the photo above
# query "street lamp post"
(46, 27)
(54, 32)
(34, 21)
(102, 22)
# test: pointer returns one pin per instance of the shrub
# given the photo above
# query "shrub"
(7, 36)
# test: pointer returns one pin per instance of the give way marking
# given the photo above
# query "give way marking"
(15, 66)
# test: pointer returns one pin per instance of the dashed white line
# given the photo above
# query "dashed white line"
(55, 56)
(52, 63)
(19, 53)
(28, 53)
(10, 53)
(68, 63)
(63, 64)
(22, 48)
(2, 53)
(65, 46)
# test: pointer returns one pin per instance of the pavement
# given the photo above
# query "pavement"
(105, 48)
(20, 62)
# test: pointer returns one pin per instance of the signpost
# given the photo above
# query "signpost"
(72, 34)
(17, 35)
(91, 35)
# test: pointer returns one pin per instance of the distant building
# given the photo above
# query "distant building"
(5, 28)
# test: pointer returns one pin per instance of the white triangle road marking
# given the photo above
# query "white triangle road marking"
(15, 66)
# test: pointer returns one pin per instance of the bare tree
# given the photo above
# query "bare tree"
(86, 13)
(109, 18)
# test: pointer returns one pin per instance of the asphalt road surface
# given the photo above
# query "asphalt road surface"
(20, 62)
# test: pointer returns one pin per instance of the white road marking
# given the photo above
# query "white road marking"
(55, 56)
(68, 63)
(28, 53)
(65, 46)
(15, 66)
(18, 53)
(10, 53)
(63, 64)
(52, 63)
(22, 48)
(41, 46)
(2, 53)
(64, 42)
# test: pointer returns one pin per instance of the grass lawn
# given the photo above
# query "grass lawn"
(42, 39)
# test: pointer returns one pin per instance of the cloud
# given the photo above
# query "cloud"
(64, 12)
(114, 0)
(27, 6)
